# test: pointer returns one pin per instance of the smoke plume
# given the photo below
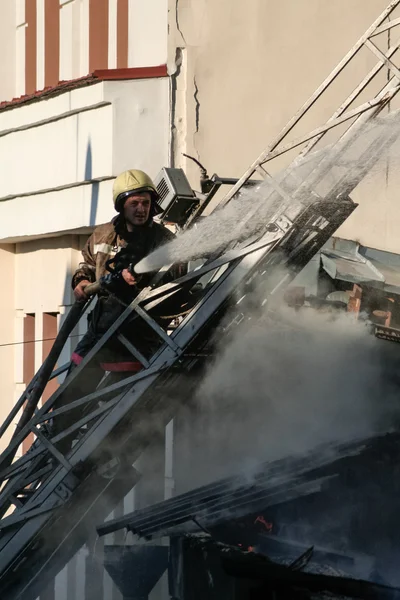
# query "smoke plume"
(285, 385)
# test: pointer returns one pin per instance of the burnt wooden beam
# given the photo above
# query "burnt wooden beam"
(286, 579)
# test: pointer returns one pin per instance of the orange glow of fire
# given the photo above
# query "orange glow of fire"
(248, 549)
(267, 524)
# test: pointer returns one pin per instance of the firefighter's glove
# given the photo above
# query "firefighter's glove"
(79, 290)
(128, 277)
(116, 283)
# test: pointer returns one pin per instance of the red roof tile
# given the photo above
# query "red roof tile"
(95, 77)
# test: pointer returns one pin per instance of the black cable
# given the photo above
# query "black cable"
(35, 341)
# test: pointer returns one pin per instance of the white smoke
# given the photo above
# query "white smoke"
(284, 385)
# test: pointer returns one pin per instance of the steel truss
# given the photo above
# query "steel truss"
(58, 498)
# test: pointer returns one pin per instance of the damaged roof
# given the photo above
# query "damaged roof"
(210, 564)
(349, 261)
(271, 484)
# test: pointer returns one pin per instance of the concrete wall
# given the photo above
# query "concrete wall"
(148, 33)
(88, 134)
(7, 349)
(58, 159)
(246, 69)
(43, 273)
(74, 33)
(8, 49)
(36, 280)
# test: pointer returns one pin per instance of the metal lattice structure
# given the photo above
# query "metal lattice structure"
(51, 500)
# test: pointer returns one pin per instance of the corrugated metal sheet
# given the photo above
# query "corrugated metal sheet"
(235, 497)
(359, 264)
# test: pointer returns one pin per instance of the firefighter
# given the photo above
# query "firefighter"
(128, 238)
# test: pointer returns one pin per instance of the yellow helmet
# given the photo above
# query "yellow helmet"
(131, 181)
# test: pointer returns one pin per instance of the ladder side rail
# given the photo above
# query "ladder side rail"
(368, 159)
(77, 456)
(39, 384)
(39, 381)
(308, 184)
(136, 399)
(20, 402)
(30, 524)
(319, 131)
(17, 407)
(40, 417)
(47, 368)
(390, 88)
(18, 465)
(377, 103)
(147, 292)
(116, 387)
(166, 353)
(385, 60)
(11, 449)
(346, 140)
(385, 27)
(14, 470)
(354, 94)
(32, 477)
(98, 394)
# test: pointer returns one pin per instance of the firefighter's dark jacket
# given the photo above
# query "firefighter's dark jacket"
(107, 240)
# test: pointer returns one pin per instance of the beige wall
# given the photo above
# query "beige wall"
(36, 279)
(7, 50)
(148, 33)
(43, 273)
(89, 133)
(253, 65)
(7, 332)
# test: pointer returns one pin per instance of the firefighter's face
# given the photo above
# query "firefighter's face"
(137, 208)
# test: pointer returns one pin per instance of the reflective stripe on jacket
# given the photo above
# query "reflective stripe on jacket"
(105, 242)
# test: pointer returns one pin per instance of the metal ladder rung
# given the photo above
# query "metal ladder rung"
(272, 181)
(51, 448)
(359, 110)
(385, 27)
(159, 330)
(14, 519)
(382, 57)
(319, 131)
(133, 350)
(349, 100)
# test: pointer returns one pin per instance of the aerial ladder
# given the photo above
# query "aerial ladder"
(52, 501)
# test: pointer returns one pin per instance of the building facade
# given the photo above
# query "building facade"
(90, 88)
